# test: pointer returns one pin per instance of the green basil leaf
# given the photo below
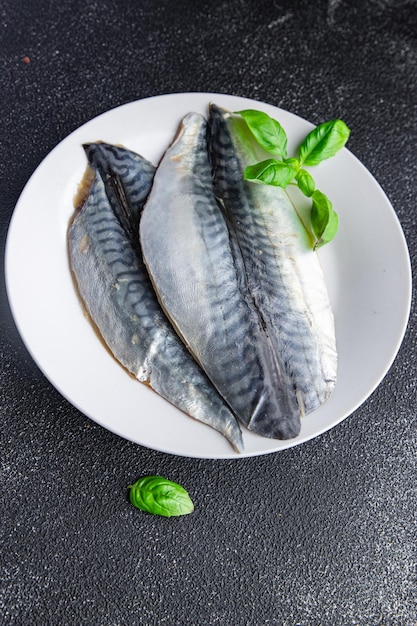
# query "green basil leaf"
(324, 220)
(305, 182)
(160, 496)
(267, 131)
(270, 172)
(293, 162)
(324, 142)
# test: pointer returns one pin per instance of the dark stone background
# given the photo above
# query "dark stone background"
(319, 535)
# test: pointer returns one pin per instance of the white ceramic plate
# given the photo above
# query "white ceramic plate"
(367, 269)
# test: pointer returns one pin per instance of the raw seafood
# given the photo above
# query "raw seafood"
(206, 287)
(116, 290)
(283, 274)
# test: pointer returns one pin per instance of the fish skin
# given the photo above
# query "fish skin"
(199, 275)
(118, 294)
(127, 177)
(284, 272)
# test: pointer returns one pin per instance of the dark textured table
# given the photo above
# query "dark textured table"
(322, 534)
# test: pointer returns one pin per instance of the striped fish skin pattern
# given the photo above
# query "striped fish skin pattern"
(199, 275)
(127, 177)
(116, 290)
(283, 272)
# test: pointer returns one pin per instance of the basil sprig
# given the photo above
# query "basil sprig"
(320, 144)
(160, 496)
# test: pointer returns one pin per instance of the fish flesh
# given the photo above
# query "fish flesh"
(105, 258)
(209, 290)
(283, 272)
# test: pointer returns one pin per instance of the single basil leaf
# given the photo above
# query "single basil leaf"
(270, 172)
(160, 496)
(267, 131)
(324, 219)
(305, 182)
(324, 142)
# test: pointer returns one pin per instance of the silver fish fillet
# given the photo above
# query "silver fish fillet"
(209, 288)
(106, 261)
(283, 273)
